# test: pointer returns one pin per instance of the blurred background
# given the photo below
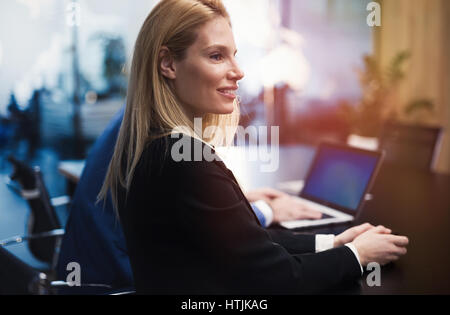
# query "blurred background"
(318, 69)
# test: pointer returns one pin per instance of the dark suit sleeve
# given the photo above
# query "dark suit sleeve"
(293, 243)
(218, 223)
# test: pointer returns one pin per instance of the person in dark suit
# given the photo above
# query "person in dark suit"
(93, 236)
(188, 226)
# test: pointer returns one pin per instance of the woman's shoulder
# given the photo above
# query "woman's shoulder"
(191, 168)
(179, 151)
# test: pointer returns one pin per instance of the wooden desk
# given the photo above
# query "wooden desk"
(412, 203)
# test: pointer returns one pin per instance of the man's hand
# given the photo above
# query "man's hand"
(284, 206)
(349, 235)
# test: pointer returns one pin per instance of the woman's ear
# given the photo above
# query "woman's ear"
(166, 63)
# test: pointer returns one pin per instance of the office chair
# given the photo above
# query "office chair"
(44, 236)
(16, 277)
(44, 231)
(410, 146)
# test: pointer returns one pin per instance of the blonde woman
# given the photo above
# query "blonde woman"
(188, 226)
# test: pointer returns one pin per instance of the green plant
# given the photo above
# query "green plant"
(377, 84)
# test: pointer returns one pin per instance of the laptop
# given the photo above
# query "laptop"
(337, 183)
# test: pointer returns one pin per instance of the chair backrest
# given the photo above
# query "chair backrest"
(42, 217)
(16, 277)
(410, 146)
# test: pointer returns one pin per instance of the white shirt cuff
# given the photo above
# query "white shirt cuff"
(324, 242)
(355, 251)
(266, 210)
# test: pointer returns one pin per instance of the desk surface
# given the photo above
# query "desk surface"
(412, 203)
(415, 204)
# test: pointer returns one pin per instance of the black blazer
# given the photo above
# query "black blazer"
(190, 230)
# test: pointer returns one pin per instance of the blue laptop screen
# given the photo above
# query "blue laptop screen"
(340, 176)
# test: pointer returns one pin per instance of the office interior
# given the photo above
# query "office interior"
(361, 73)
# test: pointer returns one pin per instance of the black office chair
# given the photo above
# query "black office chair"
(44, 236)
(44, 231)
(16, 277)
(410, 146)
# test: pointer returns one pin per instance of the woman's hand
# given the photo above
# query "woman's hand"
(376, 245)
(349, 235)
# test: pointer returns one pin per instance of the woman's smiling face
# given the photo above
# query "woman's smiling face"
(206, 79)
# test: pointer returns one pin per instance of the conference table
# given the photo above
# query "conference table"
(411, 202)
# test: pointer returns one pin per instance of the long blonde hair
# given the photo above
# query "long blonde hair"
(152, 108)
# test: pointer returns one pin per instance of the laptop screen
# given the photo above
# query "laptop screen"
(340, 175)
